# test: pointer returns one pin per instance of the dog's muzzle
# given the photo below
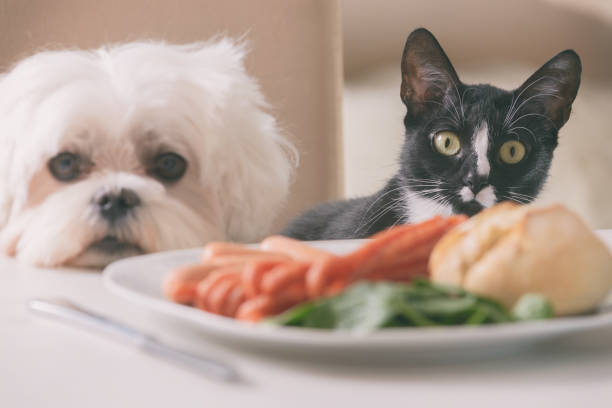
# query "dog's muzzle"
(113, 205)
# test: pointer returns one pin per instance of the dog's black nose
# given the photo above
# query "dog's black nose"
(114, 205)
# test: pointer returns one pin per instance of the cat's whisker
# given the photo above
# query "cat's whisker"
(521, 127)
(422, 182)
(454, 119)
(511, 112)
(452, 102)
(422, 179)
(398, 222)
(394, 204)
(460, 100)
(518, 200)
(431, 193)
(530, 114)
(511, 190)
(527, 100)
(513, 133)
(536, 96)
(444, 201)
(454, 106)
(434, 186)
(519, 194)
(428, 188)
(522, 197)
(365, 213)
(365, 220)
(438, 199)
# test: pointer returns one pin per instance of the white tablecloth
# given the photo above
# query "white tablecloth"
(47, 364)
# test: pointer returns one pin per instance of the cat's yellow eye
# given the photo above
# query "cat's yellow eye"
(512, 152)
(447, 143)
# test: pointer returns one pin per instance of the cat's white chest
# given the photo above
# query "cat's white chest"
(420, 208)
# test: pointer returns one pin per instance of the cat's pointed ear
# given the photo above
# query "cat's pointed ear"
(551, 90)
(427, 73)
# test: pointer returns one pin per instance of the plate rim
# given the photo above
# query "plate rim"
(226, 327)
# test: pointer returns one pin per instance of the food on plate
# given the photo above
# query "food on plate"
(182, 283)
(367, 306)
(508, 263)
(509, 250)
(293, 248)
(250, 284)
(532, 306)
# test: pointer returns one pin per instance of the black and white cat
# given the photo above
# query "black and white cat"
(466, 147)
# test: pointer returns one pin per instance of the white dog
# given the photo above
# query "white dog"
(135, 148)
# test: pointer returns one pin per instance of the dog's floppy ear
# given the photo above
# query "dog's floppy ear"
(256, 185)
(255, 159)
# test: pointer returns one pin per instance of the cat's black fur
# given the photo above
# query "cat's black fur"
(437, 101)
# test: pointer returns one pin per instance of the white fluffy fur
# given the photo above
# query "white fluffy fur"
(195, 99)
(481, 145)
(419, 208)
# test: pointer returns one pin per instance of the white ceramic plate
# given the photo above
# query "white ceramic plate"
(139, 279)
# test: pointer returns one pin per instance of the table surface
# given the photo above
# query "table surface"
(48, 364)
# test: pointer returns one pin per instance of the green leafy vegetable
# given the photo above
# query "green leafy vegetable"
(369, 306)
(532, 306)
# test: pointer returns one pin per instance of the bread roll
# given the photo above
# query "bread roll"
(509, 250)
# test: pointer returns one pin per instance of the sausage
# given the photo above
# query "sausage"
(180, 285)
(296, 250)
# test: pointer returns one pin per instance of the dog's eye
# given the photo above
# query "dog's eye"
(169, 166)
(65, 166)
